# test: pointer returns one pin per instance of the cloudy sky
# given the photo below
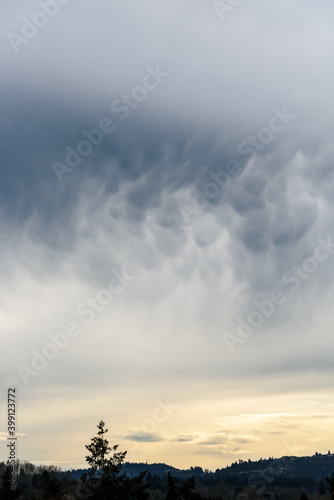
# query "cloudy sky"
(166, 228)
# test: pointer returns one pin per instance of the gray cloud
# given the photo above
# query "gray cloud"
(122, 207)
(144, 437)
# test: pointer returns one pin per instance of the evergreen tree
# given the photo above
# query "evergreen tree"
(172, 491)
(330, 481)
(321, 488)
(183, 492)
(103, 481)
(187, 490)
(44, 479)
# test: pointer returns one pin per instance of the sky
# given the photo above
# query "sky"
(166, 237)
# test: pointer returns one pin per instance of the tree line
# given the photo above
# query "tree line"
(104, 480)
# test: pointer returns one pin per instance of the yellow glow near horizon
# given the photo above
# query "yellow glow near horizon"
(210, 433)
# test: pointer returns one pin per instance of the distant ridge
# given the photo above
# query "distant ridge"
(317, 466)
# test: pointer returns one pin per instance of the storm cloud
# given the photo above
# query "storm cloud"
(195, 154)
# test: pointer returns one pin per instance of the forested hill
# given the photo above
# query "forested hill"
(161, 470)
(318, 466)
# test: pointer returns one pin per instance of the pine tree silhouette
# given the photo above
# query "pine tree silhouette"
(6, 490)
(103, 481)
(183, 492)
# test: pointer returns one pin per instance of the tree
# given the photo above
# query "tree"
(103, 481)
(172, 491)
(187, 490)
(321, 488)
(303, 496)
(99, 450)
(182, 492)
(7, 492)
(53, 489)
(330, 481)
